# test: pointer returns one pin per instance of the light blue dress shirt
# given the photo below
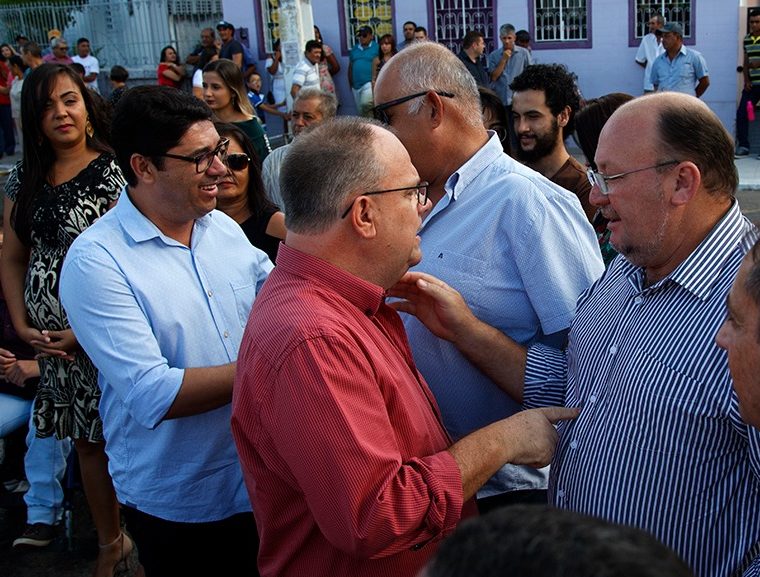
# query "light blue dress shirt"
(145, 307)
(520, 59)
(681, 74)
(520, 250)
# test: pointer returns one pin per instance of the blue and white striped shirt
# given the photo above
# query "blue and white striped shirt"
(659, 443)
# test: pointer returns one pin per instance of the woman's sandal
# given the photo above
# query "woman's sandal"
(127, 564)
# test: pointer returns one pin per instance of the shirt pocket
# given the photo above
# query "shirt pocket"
(666, 408)
(244, 294)
(462, 272)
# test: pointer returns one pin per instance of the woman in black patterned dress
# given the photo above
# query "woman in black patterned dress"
(67, 179)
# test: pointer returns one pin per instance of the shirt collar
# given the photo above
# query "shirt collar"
(141, 229)
(702, 269)
(363, 294)
(471, 169)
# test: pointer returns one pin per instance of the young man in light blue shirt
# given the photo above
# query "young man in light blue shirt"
(158, 295)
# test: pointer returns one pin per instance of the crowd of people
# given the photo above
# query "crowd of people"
(463, 320)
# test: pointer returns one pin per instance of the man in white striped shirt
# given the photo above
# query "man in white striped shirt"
(659, 443)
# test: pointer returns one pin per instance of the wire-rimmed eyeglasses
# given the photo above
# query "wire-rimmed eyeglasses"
(421, 188)
(601, 180)
(379, 111)
(204, 160)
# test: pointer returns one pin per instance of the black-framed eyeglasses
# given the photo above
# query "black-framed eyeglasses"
(421, 188)
(204, 160)
(601, 180)
(238, 161)
(379, 111)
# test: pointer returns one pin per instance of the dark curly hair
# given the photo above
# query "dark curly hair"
(558, 86)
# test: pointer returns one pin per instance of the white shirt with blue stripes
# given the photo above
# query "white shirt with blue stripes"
(659, 443)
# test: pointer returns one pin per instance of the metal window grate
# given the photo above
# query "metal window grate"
(377, 14)
(560, 20)
(454, 18)
(674, 11)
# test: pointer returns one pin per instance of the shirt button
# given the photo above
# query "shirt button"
(561, 494)
(592, 399)
(613, 350)
(210, 293)
(638, 300)
(226, 334)
(574, 444)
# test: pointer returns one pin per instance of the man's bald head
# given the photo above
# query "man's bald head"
(686, 129)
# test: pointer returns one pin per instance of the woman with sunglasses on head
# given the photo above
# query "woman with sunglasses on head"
(225, 93)
(241, 194)
(67, 179)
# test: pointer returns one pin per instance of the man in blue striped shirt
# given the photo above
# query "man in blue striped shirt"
(659, 443)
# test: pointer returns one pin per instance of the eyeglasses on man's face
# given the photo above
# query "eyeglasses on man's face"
(421, 189)
(204, 160)
(601, 180)
(379, 111)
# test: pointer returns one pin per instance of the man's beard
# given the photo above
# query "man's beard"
(544, 145)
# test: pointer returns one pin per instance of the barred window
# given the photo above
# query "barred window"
(560, 20)
(454, 18)
(680, 11)
(270, 16)
(377, 14)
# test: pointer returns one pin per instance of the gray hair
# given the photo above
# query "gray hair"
(324, 168)
(58, 40)
(659, 19)
(505, 29)
(328, 103)
(431, 66)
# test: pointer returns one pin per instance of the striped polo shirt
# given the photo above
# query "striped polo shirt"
(752, 50)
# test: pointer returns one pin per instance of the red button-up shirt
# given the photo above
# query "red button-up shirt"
(340, 439)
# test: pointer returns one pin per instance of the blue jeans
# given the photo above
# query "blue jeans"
(45, 465)
(14, 413)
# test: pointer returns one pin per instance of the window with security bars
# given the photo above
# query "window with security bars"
(194, 7)
(560, 20)
(377, 14)
(680, 11)
(454, 18)
(270, 16)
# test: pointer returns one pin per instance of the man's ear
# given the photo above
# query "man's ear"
(564, 117)
(362, 217)
(437, 108)
(143, 168)
(687, 182)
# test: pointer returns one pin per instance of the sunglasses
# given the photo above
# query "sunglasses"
(238, 161)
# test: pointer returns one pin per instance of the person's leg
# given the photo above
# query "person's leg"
(14, 413)
(98, 488)
(45, 465)
(366, 100)
(168, 548)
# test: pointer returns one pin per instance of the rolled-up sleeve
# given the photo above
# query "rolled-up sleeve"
(545, 377)
(114, 331)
